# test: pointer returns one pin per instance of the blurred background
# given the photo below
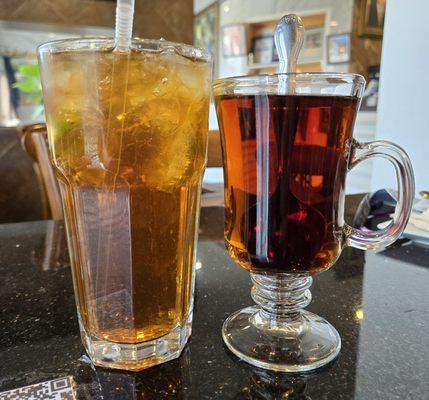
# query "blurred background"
(384, 40)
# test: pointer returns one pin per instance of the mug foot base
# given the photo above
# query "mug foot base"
(139, 356)
(300, 344)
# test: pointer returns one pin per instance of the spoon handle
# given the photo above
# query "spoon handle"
(288, 38)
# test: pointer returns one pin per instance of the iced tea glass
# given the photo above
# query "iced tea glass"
(288, 144)
(128, 134)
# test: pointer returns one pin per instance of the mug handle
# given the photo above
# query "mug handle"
(406, 187)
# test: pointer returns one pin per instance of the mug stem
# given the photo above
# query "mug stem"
(283, 296)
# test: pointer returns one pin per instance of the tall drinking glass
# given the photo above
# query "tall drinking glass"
(287, 147)
(127, 134)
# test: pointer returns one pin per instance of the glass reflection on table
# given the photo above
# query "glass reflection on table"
(170, 380)
(270, 385)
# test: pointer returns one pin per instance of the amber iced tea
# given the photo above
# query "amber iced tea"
(127, 133)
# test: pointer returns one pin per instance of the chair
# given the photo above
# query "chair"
(34, 142)
(214, 152)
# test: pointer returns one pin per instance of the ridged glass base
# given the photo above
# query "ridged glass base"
(135, 357)
(278, 334)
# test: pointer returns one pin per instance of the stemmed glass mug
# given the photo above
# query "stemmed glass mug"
(287, 144)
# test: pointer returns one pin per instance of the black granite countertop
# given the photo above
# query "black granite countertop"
(378, 301)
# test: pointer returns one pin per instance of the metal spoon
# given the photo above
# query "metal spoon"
(288, 38)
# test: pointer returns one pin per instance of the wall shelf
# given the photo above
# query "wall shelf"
(303, 67)
(262, 65)
(262, 30)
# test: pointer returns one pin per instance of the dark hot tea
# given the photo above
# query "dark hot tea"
(286, 159)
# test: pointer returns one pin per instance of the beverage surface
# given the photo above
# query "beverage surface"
(286, 159)
(128, 139)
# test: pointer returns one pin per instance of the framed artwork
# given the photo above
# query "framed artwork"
(370, 96)
(312, 49)
(234, 41)
(339, 48)
(263, 50)
(372, 15)
(206, 28)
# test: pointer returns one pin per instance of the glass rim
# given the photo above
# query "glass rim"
(153, 45)
(256, 80)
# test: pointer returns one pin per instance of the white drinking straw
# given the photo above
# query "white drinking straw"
(124, 24)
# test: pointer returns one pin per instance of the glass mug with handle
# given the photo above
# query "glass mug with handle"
(287, 144)
(128, 137)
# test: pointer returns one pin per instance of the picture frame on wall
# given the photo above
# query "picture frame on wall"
(312, 49)
(234, 40)
(206, 28)
(371, 21)
(339, 50)
(263, 49)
